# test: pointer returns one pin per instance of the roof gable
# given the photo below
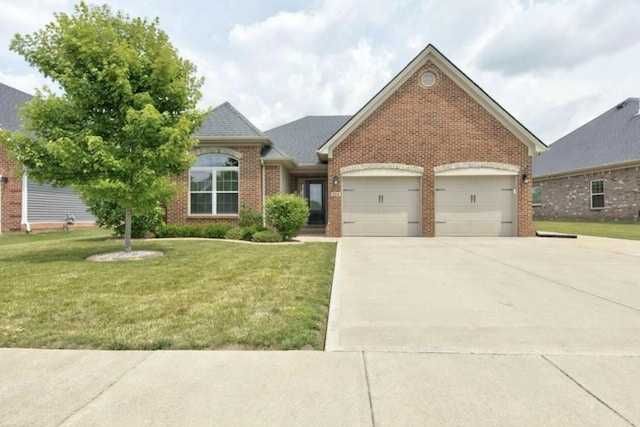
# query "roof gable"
(430, 53)
(609, 139)
(224, 121)
(10, 98)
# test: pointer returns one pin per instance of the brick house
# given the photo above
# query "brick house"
(593, 173)
(24, 204)
(431, 154)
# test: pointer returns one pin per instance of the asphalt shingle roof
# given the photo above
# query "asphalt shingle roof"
(301, 138)
(9, 99)
(226, 121)
(611, 138)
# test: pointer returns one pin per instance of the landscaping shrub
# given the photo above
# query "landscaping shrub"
(173, 231)
(166, 231)
(266, 236)
(288, 213)
(192, 231)
(216, 231)
(111, 216)
(247, 217)
(248, 232)
(234, 233)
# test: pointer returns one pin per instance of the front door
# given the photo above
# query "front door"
(316, 199)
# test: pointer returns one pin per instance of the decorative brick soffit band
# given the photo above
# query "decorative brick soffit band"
(387, 166)
(476, 165)
(217, 150)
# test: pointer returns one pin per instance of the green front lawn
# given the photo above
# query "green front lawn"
(202, 294)
(618, 230)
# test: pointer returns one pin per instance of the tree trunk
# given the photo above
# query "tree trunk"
(127, 229)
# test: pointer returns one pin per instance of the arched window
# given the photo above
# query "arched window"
(213, 185)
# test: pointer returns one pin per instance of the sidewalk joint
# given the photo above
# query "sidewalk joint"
(586, 390)
(116, 380)
(366, 376)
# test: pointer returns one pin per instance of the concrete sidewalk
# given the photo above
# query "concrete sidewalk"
(194, 388)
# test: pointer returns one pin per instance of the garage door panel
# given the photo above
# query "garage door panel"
(376, 206)
(373, 228)
(475, 206)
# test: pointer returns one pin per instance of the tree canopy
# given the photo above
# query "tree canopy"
(122, 122)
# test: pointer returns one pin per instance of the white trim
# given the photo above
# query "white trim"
(591, 194)
(1, 185)
(430, 53)
(263, 190)
(584, 171)
(25, 201)
(532, 194)
(214, 192)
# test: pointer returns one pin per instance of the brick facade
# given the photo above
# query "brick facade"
(272, 178)
(569, 197)
(250, 188)
(428, 127)
(11, 208)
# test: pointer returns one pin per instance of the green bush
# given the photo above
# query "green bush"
(173, 231)
(288, 213)
(247, 217)
(216, 231)
(191, 231)
(234, 233)
(248, 232)
(111, 216)
(168, 231)
(267, 236)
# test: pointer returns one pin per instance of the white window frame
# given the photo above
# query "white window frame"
(533, 202)
(214, 192)
(596, 194)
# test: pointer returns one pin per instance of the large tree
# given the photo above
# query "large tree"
(122, 122)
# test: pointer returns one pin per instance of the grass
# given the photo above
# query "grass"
(202, 294)
(618, 230)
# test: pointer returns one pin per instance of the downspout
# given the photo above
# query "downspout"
(263, 191)
(1, 185)
(25, 200)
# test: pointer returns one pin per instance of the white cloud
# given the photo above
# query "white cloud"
(551, 35)
(552, 64)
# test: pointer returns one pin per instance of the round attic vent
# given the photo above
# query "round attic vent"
(428, 79)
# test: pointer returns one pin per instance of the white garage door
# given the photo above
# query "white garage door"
(376, 206)
(475, 206)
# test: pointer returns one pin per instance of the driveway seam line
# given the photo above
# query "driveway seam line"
(114, 382)
(551, 280)
(366, 377)
(586, 390)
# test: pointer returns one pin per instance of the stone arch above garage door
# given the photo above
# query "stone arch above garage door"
(476, 168)
(381, 169)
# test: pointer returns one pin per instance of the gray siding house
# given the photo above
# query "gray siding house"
(593, 173)
(24, 204)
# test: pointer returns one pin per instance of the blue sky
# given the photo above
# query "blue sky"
(554, 64)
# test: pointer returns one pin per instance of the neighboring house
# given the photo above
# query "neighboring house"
(431, 154)
(593, 173)
(25, 205)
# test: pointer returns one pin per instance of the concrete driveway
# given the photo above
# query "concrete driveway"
(442, 332)
(487, 295)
